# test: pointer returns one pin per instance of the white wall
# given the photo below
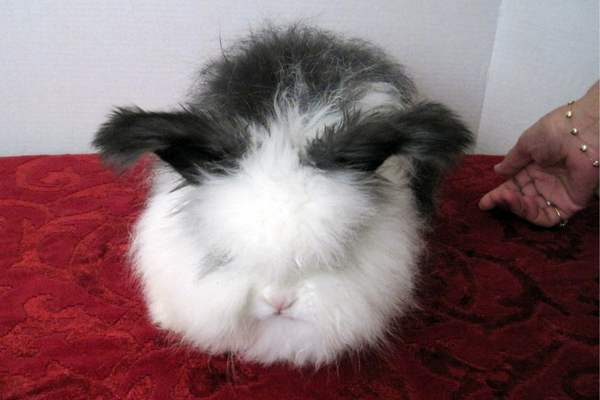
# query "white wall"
(63, 65)
(543, 57)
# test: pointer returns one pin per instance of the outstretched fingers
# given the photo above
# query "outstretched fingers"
(520, 196)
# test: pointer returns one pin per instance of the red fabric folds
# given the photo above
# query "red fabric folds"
(507, 310)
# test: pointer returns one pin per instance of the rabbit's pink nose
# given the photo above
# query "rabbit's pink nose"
(279, 302)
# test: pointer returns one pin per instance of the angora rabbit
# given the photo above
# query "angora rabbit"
(288, 199)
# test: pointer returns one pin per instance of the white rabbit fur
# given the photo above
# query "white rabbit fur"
(275, 258)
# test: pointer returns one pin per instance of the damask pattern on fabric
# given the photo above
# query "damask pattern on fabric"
(506, 310)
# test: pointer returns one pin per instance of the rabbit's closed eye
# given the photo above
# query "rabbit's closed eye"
(215, 259)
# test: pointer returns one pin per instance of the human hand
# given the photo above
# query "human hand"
(550, 178)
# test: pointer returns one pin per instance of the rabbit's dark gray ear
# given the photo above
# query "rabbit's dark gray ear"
(188, 140)
(429, 133)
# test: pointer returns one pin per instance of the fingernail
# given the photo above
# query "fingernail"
(497, 166)
(482, 206)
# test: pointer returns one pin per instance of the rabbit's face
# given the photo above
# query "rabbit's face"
(277, 260)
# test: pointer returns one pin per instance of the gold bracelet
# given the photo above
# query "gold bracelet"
(575, 132)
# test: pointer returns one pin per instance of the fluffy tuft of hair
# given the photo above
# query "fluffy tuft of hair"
(248, 77)
(311, 173)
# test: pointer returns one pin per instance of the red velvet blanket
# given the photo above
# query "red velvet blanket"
(508, 310)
